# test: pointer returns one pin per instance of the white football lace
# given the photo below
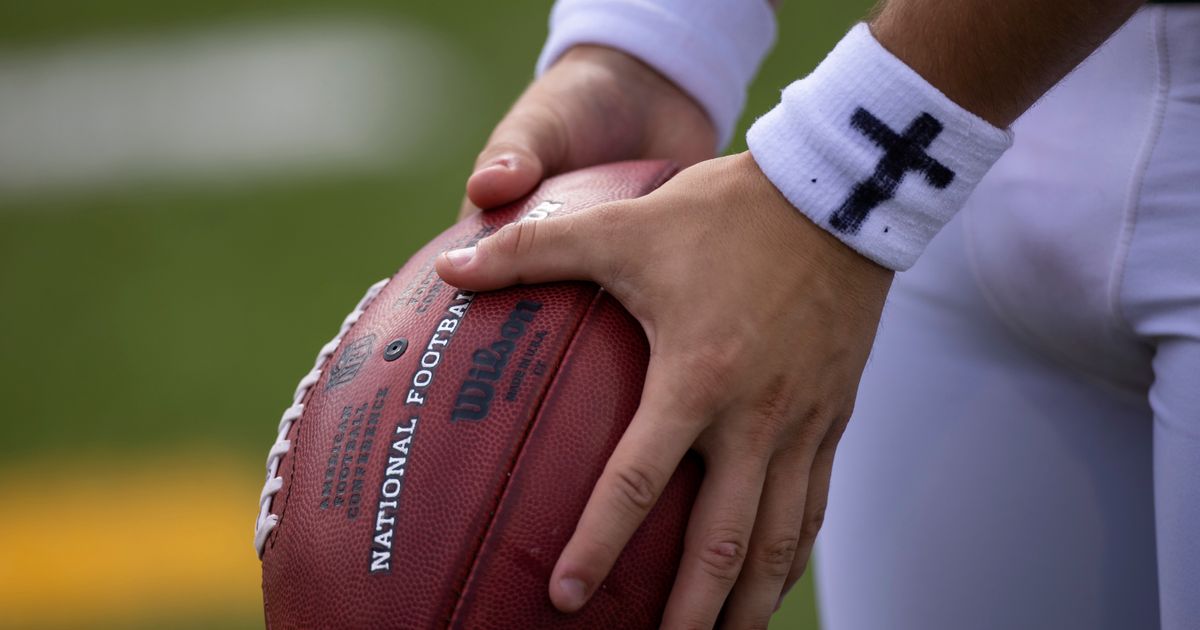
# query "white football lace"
(266, 520)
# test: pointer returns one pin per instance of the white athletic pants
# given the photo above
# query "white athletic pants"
(1025, 452)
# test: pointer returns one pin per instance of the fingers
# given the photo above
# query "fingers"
(814, 509)
(773, 544)
(529, 144)
(716, 544)
(638, 470)
(533, 251)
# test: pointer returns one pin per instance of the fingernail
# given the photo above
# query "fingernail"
(505, 161)
(460, 257)
(575, 591)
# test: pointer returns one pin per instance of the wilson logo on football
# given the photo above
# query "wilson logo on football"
(475, 395)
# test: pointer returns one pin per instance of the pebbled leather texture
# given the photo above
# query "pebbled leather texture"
(456, 518)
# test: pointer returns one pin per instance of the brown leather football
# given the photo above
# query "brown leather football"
(437, 457)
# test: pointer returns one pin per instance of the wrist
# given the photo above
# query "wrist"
(820, 249)
(962, 88)
(870, 151)
(997, 58)
(618, 62)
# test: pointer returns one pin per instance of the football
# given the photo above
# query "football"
(436, 458)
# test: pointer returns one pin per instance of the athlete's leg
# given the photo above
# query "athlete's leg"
(1176, 401)
(1160, 298)
(997, 472)
(981, 485)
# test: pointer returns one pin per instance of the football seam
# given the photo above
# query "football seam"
(515, 461)
(291, 456)
(292, 453)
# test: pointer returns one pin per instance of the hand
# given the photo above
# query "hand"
(759, 324)
(594, 105)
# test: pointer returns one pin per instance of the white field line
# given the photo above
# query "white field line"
(227, 103)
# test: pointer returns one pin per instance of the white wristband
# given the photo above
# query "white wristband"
(711, 49)
(872, 152)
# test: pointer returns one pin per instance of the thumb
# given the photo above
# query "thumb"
(529, 144)
(529, 252)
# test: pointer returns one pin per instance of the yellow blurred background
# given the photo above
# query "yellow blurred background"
(192, 194)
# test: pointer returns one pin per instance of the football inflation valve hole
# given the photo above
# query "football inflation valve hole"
(395, 349)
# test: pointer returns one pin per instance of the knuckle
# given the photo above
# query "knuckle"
(729, 349)
(706, 382)
(607, 224)
(610, 214)
(696, 621)
(819, 412)
(635, 488)
(772, 414)
(773, 404)
(690, 395)
(834, 410)
(837, 430)
(817, 420)
(516, 239)
(724, 351)
(617, 256)
(813, 521)
(722, 555)
(774, 559)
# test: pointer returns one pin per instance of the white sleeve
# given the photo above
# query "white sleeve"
(711, 49)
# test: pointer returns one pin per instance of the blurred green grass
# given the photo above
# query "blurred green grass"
(141, 318)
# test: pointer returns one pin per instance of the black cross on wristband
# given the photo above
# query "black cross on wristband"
(903, 153)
